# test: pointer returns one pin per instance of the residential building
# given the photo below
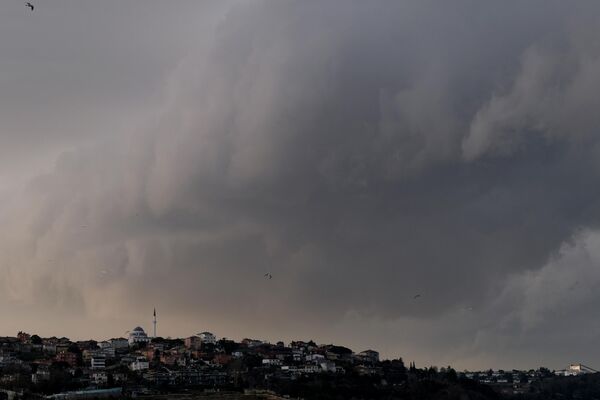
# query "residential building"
(207, 337)
(68, 357)
(368, 356)
(193, 342)
(98, 362)
(140, 364)
(119, 343)
(271, 361)
(100, 378)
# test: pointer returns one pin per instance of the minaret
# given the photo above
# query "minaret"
(154, 322)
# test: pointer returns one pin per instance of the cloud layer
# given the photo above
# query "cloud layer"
(360, 152)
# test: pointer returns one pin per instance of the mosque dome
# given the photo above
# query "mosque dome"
(137, 335)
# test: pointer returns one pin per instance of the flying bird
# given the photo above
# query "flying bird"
(268, 275)
(30, 6)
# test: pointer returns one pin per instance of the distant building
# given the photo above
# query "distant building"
(87, 355)
(104, 345)
(140, 364)
(207, 337)
(119, 343)
(42, 374)
(577, 369)
(109, 352)
(297, 355)
(100, 378)
(98, 362)
(315, 357)
(271, 361)
(366, 370)
(67, 357)
(49, 348)
(62, 347)
(193, 342)
(252, 342)
(137, 335)
(327, 366)
(368, 356)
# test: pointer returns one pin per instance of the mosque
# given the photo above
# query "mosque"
(138, 335)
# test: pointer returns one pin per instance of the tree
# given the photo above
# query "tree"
(73, 348)
(339, 349)
(228, 346)
(35, 339)
(451, 374)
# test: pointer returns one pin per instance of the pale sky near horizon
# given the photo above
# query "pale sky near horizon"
(168, 154)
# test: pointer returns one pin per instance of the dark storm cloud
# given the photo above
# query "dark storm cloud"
(75, 71)
(361, 154)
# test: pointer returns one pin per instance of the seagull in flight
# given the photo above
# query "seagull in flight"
(268, 275)
(30, 6)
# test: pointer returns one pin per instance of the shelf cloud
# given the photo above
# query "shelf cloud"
(360, 152)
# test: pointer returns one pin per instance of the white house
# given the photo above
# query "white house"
(368, 356)
(271, 361)
(577, 369)
(140, 364)
(297, 355)
(327, 366)
(207, 337)
(49, 348)
(109, 352)
(104, 344)
(315, 357)
(311, 369)
(100, 378)
(42, 374)
(98, 362)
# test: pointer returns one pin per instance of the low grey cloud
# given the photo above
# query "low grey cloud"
(362, 153)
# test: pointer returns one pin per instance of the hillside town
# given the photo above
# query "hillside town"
(139, 365)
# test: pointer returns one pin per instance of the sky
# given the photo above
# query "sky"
(167, 154)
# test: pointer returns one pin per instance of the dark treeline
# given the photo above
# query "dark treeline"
(398, 382)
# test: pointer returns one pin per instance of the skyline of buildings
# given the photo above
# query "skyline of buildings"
(32, 365)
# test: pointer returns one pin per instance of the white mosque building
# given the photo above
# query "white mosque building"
(137, 335)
